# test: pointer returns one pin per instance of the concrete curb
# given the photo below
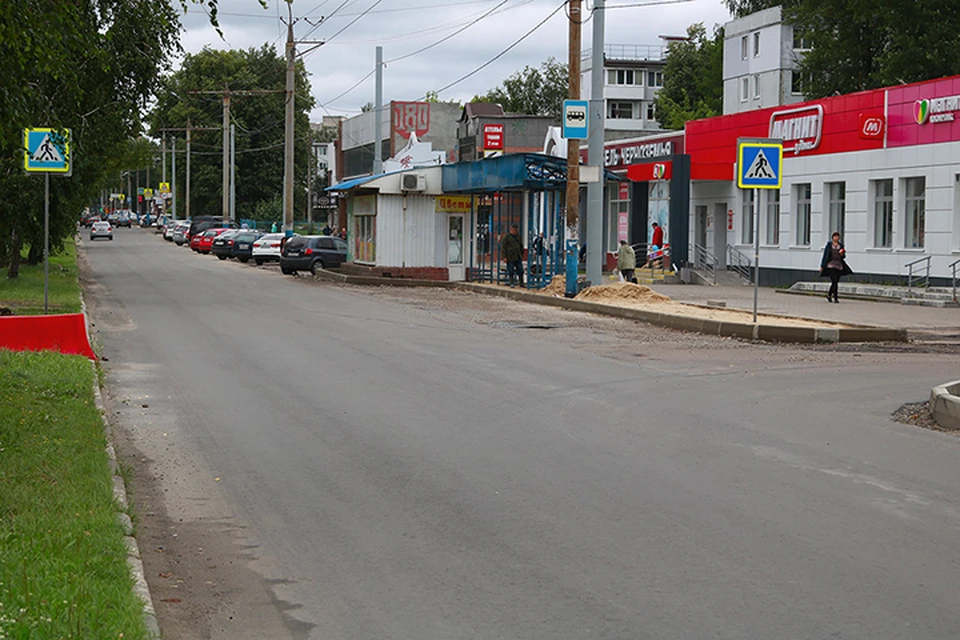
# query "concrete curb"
(945, 404)
(750, 331)
(134, 562)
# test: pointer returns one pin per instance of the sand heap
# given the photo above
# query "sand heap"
(557, 286)
(621, 291)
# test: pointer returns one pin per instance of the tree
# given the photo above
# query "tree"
(740, 8)
(538, 92)
(692, 79)
(259, 121)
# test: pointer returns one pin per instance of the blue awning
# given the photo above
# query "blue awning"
(357, 182)
(513, 172)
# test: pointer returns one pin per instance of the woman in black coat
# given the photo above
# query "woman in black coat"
(833, 264)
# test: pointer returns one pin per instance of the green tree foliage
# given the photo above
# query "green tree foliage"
(692, 79)
(740, 8)
(87, 65)
(538, 92)
(259, 121)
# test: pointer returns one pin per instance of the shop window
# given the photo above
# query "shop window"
(914, 211)
(802, 198)
(655, 79)
(746, 217)
(836, 207)
(658, 209)
(882, 191)
(620, 110)
(756, 44)
(619, 212)
(744, 89)
(365, 238)
(772, 226)
(744, 47)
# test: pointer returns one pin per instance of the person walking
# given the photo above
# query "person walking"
(511, 251)
(833, 264)
(657, 239)
(627, 262)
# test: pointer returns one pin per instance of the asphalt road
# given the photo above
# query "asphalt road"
(323, 462)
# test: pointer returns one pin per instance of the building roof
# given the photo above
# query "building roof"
(480, 109)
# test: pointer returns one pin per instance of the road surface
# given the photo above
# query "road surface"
(322, 462)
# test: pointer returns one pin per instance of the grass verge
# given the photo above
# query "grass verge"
(25, 294)
(63, 570)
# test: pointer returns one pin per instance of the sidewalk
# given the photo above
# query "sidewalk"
(886, 314)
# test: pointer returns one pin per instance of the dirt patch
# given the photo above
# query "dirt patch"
(557, 287)
(621, 291)
(918, 414)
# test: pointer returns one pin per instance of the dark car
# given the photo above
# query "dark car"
(123, 219)
(243, 244)
(312, 253)
(202, 223)
(222, 246)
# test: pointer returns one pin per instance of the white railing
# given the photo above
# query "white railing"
(629, 52)
(705, 261)
(918, 273)
(740, 263)
(954, 267)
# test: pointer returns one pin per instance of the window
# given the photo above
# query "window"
(882, 213)
(744, 48)
(772, 226)
(746, 217)
(836, 207)
(756, 44)
(914, 211)
(651, 111)
(624, 77)
(756, 86)
(800, 40)
(620, 110)
(744, 89)
(796, 83)
(365, 238)
(655, 79)
(802, 198)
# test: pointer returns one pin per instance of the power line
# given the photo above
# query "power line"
(444, 39)
(353, 22)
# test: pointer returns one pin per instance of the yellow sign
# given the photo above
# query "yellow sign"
(164, 187)
(122, 197)
(453, 204)
(148, 193)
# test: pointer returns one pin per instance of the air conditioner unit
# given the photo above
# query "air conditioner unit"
(413, 182)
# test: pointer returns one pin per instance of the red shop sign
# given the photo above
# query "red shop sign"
(493, 137)
(650, 171)
(411, 117)
(871, 126)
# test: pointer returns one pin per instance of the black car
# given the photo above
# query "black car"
(222, 246)
(201, 223)
(122, 220)
(243, 244)
(312, 253)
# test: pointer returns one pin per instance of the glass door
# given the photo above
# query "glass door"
(455, 267)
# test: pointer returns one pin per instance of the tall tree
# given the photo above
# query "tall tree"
(692, 79)
(539, 92)
(259, 121)
(740, 8)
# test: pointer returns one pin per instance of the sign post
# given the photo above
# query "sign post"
(759, 166)
(47, 151)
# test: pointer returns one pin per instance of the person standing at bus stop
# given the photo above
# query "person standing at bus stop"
(627, 262)
(511, 252)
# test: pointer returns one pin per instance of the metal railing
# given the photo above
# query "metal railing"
(739, 263)
(705, 261)
(918, 273)
(954, 267)
(630, 52)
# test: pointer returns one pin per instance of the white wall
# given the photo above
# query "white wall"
(409, 238)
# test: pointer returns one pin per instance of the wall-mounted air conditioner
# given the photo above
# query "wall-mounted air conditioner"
(413, 182)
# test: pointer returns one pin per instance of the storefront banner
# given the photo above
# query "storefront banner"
(650, 171)
(925, 113)
(493, 137)
(453, 204)
(411, 117)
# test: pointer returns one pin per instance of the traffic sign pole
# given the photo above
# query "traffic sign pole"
(46, 242)
(756, 251)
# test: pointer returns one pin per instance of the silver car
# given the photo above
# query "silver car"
(101, 230)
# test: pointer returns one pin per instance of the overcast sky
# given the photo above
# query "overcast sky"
(405, 26)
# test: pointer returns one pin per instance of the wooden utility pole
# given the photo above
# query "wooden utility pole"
(573, 146)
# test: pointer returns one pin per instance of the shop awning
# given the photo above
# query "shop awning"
(514, 172)
(357, 182)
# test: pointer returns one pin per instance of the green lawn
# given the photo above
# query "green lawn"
(25, 294)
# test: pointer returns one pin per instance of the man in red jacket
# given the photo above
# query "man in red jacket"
(657, 236)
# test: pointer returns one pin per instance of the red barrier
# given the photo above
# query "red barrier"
(65, 333)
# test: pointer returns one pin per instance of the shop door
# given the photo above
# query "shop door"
(455, 268)
(720, 224)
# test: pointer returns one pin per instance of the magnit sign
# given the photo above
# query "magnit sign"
(800, 129)
(936, 109)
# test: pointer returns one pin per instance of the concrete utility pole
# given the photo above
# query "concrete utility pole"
(173, 186)
(573, 146)
(288, 128)
(377, 121)
(189, 128)
(595, 249)
(233, 173)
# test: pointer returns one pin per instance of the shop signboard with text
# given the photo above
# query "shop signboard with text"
(924, 113)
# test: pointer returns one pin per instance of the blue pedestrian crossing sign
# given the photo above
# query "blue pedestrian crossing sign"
(759, 164)
(46, 150)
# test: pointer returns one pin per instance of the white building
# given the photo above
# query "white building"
(760, 57)
(633, 75)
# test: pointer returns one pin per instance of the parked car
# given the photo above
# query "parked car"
(122, 219)
(101, 229)
(222, 246)
(180, 232)
(243, 244)
(206, 239)
(266, 248)
(202, 223)
(169, 228)
(312, 253)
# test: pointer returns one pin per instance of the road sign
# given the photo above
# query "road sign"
(759, 164)
(46, 150)
(164, 187)
(576, 119)
(148, 193)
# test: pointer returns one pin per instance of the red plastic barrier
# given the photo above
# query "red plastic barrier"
(65, 333)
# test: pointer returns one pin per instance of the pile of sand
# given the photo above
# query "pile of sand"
(557, 286)
(620, 291)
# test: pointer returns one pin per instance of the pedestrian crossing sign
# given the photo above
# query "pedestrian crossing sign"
(759, 164)
(46, 150)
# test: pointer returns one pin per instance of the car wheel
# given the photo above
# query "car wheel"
(287, 272)
(222, 257)
(258, 261)
(244, 260)
(316, 266)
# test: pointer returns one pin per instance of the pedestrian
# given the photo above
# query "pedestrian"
(657, 239)
(273, 227)
(511, 251)
(627, 262)
(343, 233)
(538, 257)
(327, 230)
(833, 264)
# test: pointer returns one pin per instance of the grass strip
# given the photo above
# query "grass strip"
(24, 294)
(63, 570)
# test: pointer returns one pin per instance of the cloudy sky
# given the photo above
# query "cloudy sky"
(473, 32)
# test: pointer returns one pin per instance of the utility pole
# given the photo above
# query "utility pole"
(595, 249)
(573, 146)
(233, 172)
(377, 120)
(288, 127)
(189, 129)
(173, 170)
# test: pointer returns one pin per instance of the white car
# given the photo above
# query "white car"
(101, 230)
(267, 248)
